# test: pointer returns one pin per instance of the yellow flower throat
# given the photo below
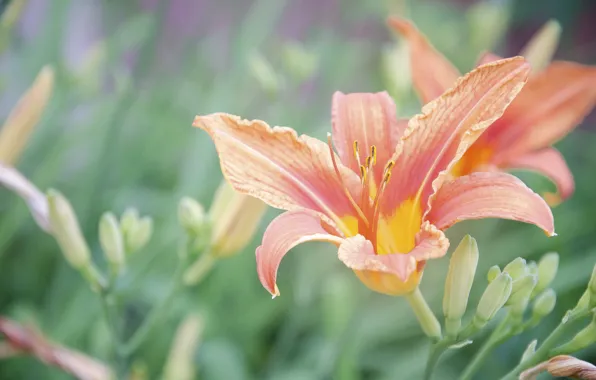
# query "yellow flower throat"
(389, 233)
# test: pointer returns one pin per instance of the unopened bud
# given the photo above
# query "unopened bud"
(111, 241)
(592, 288)
(581, 340)
(529, 351)
(458, 284)
(299, 62)
(138, 237)
(520, 294)
(235, 218)
(493, 272)
(19, 125)
(516, 268)
(487, 21)
(395, 61)
(542, 46)
(128, 220)
(180, 363)
(264, 74)
(544, 304)
(493, 299)
(191, 216)
(547, 270)
(532, 268)
(65, 229)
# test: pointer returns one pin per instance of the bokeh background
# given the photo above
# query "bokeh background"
(131, 75)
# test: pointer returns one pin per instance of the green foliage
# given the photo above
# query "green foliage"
(118, 135)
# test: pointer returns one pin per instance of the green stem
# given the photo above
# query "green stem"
(498, 336)
(550, 342)
(108, 309)
(427, 319)
(436, 350)
(157, 313)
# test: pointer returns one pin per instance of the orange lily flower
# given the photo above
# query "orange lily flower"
(385, 198)
(554, 101)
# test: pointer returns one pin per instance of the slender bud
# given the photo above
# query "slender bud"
(581, 340)
(547, 270)
(112, 242)
(487, 21)
(592, 288)
(66, 230)
(458, 284)
(542, 46)
(235, 218)
(544, 304)
(520, 294)
(516, 268)
(530, 350)
(19, 125)
(532, 268)
(128, 220)
(493, 299)
(298, 61)
(395, 61)
(138, 237)
(180, 363)
(264, 74)
(191, 216)
(493, 272)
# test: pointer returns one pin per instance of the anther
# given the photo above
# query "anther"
(363, 172)
(373, 153)
(369, 161)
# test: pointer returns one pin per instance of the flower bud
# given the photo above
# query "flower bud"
(516, 268)
(235, 218)
(544, 304)
(19, 125)
(547, 270)
(395, 67)
(581, 340)
(493, 272)
(191, 216)
(529, 351)
(542, 46)
(65, 229)
(458, 284)
(299, 62)
(264, 74)
(180, 362)
(128, 220)
(138, 237)
(520, 294)
(592, 288)
(493, 299)
(111, 241)
(487, 21)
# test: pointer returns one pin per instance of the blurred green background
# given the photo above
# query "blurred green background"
(131, 75)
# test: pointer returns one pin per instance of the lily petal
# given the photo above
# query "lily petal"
(280, 168)
(437, 139)
(370, 119)
(284, 233)
(358, 254)
(550, 163)
(432, 73)
(553, 103)
(489, 195)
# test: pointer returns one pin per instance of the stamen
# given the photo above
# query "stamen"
(377, 201)
(346, 191)
(363, 173)
(373, 153)
(369, 160)
(357, 153)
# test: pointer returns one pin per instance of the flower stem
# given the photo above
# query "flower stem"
(543, 353)
(157, 312)
(427, 319)
(498, 336)
(436, 350)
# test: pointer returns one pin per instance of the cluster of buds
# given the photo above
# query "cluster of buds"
(228, 227)
(119, 238)
(518, 285)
